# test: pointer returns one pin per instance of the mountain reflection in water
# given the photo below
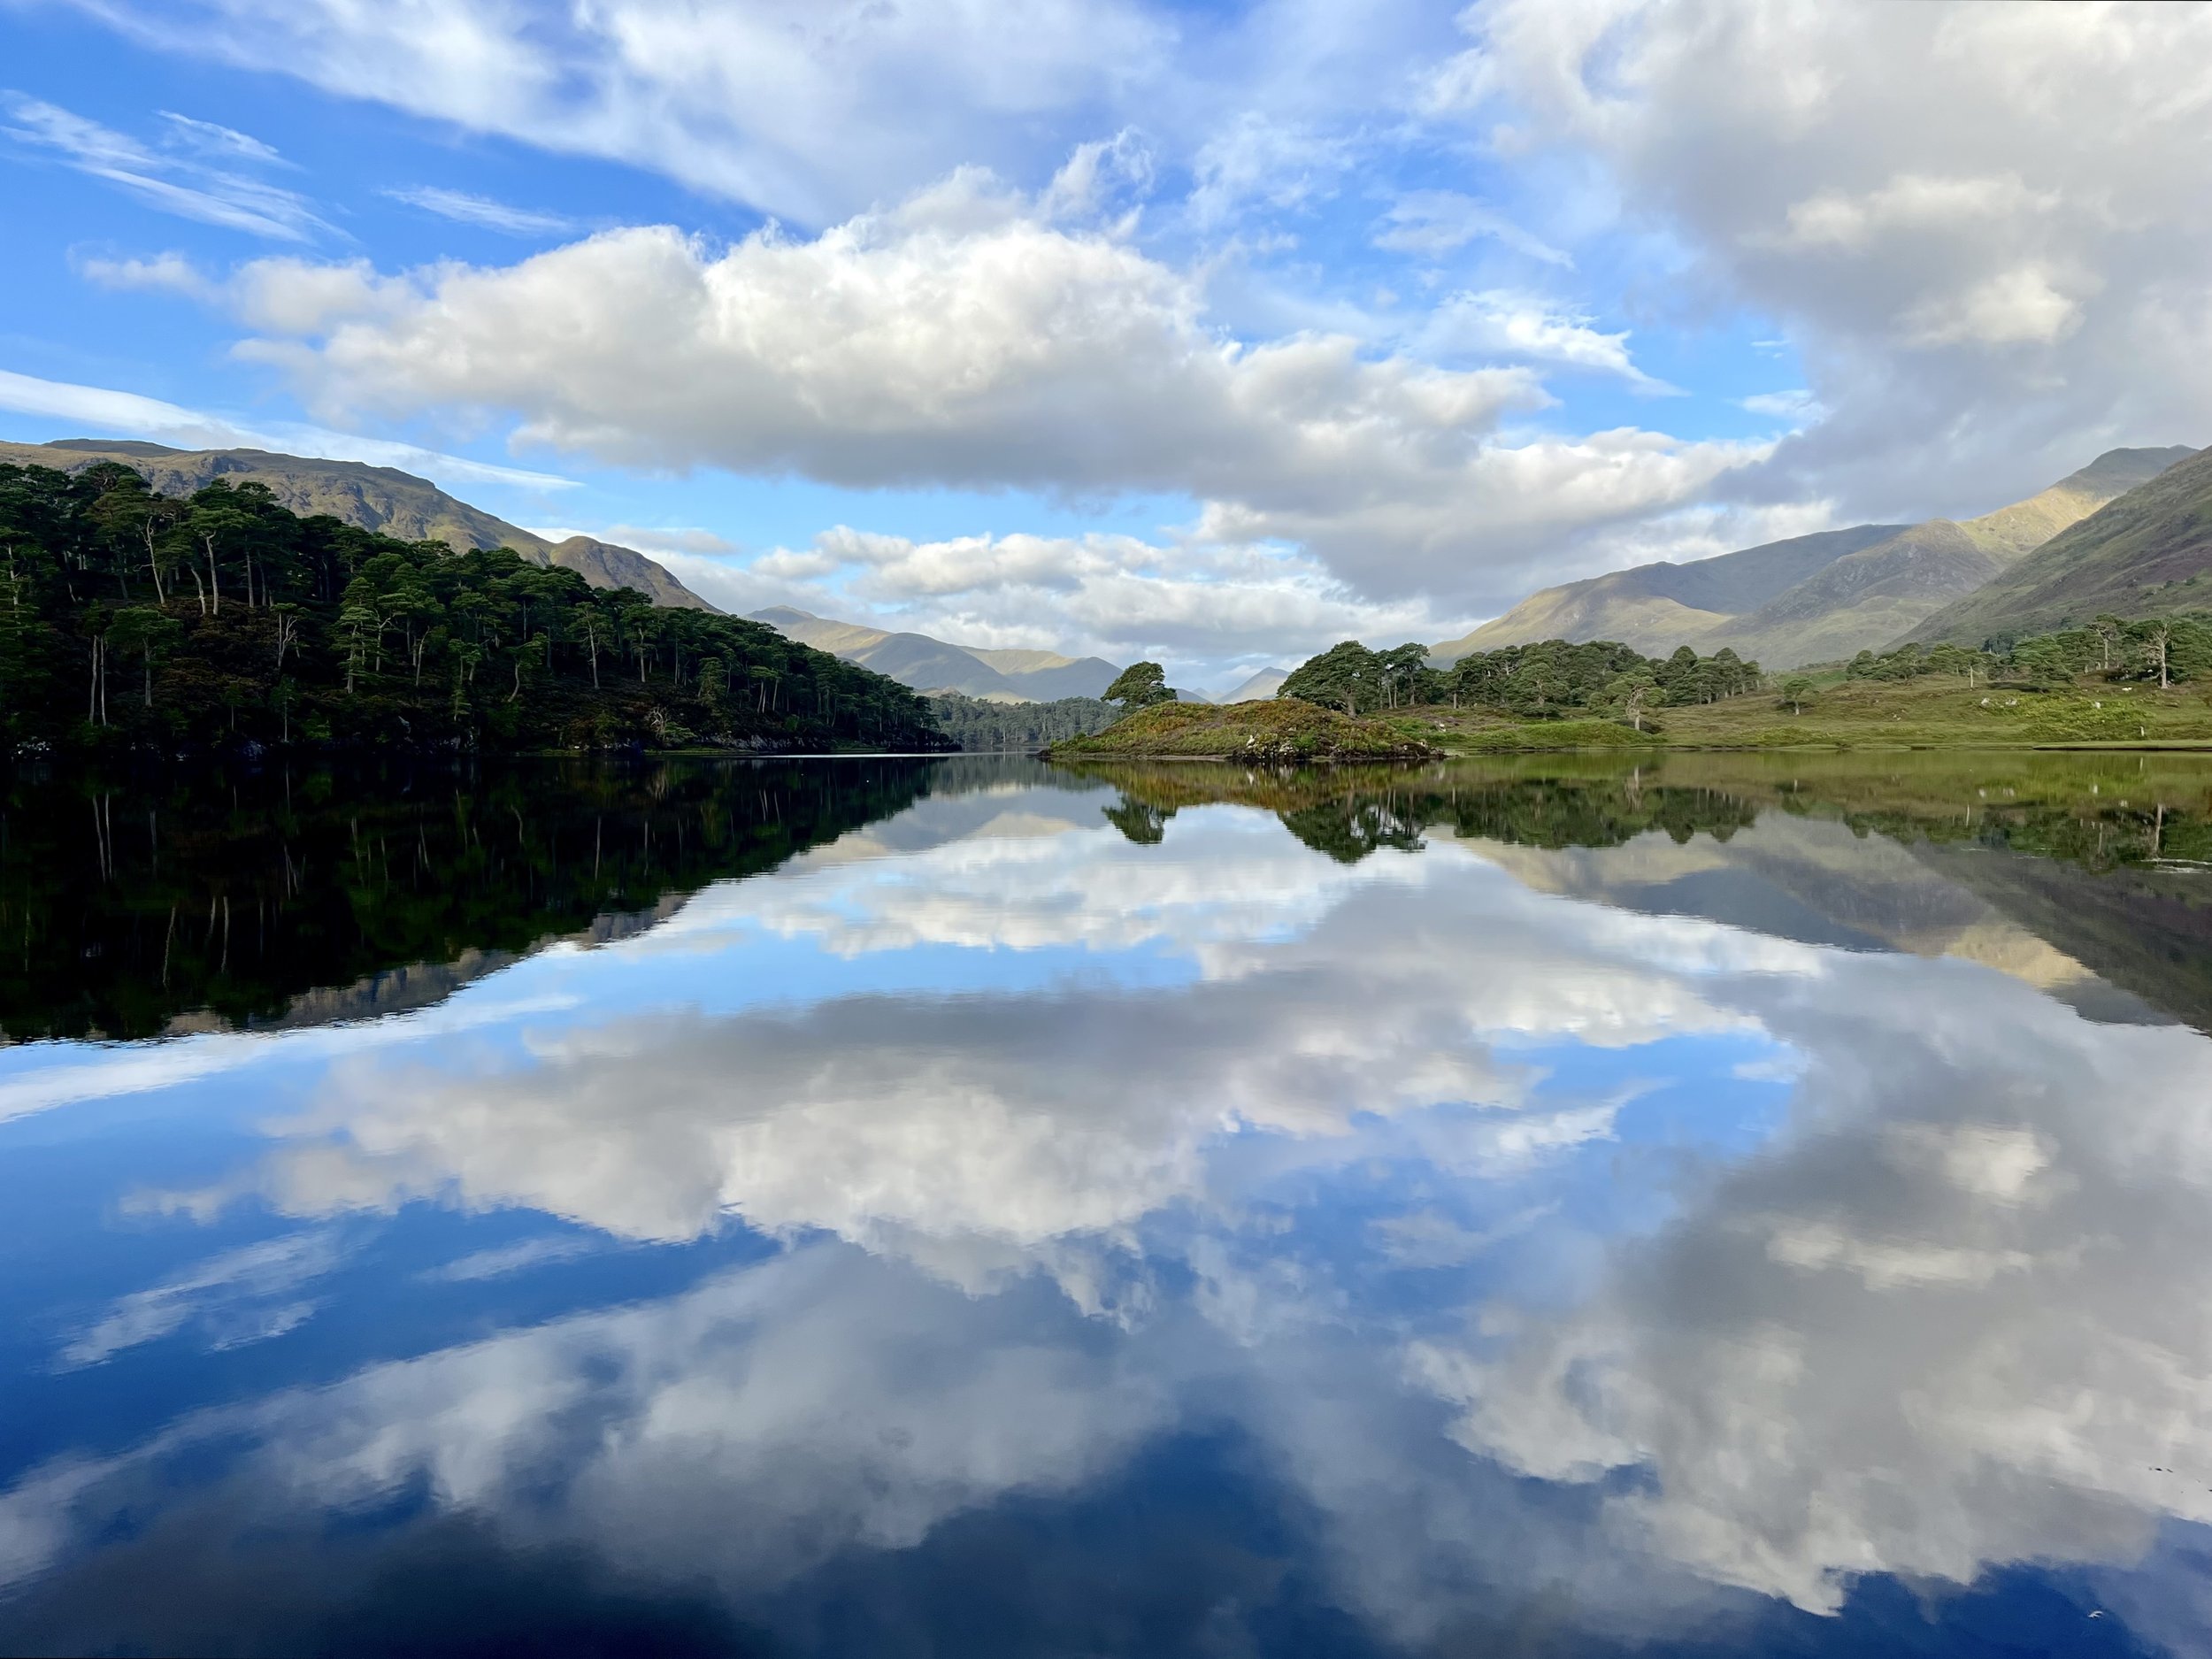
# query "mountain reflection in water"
(1755, 1204)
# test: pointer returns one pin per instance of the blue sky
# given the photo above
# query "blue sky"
(1206, 333)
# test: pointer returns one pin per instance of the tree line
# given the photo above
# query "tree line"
(2164, 650)
(220, 620)
(1551, 680)
(974, 722)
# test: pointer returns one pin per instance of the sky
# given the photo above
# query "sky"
(1206, 333)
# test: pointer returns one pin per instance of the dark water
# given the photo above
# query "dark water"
(911, 1208)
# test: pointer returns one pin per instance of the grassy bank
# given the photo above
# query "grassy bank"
(1282, 731)
(1925, 713)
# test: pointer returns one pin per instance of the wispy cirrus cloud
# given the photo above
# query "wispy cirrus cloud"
(179, 179)
(482, 210)
(1431, 223)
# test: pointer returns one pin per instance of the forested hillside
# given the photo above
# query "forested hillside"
(975, 723)
(130, 619)
(378, 498)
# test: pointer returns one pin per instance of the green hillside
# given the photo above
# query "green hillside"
(1869, 598)
(136, 621)
(1817, 598)
(378, 498)
(1279, 730)
(2147, 553)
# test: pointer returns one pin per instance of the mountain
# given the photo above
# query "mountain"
(606, 565)
(379, 498)
(1266, 683)
(2141, 554)
(1655, 606)
(929, 665)
(1818, 597)
(1865, 600)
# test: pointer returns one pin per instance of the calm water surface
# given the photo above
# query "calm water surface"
(882, 1208)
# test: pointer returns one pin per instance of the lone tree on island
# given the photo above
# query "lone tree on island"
(1140, 686)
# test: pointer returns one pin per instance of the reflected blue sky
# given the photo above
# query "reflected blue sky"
(989, 1233)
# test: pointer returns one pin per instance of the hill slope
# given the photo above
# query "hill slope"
(1820, 596)
(1655, 606)
(1865, 600)
(931, 665)
(2132, 557)
(379, 498)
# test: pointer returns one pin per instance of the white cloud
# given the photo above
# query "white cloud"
(1438, 222)
(1523, 325)
(1254, 160)
(1116, 596)
(2019, 307)
(962, 339)
(465, 208)
(781, 104)
(1798, 405)
(103, 412)
(216, 139)
(1977, 223)
(173, 183)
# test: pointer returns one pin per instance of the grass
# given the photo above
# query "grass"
(1930, 712)
(1936, 711)
(1275, 731)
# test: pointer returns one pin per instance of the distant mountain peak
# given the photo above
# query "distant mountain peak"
(1256, 687)
(935, 666)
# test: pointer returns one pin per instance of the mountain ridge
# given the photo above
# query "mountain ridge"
(2142, 553)
(1867, 599)
(926, 663)
(1846, 591)
(379, 498)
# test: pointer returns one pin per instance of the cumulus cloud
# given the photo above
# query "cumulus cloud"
(963, 338)
(1116, 596)
(1973, 224)
(1976, 222)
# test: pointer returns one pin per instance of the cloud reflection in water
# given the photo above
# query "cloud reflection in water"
(1538, 1235)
